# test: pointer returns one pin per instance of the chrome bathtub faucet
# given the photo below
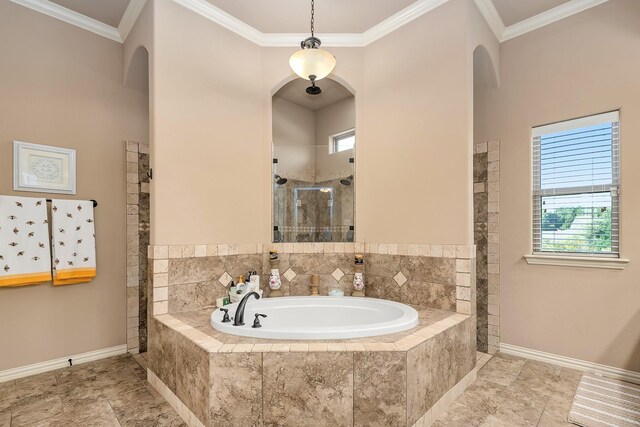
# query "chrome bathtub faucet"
(238, 319)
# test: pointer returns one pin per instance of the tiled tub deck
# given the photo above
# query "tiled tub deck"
(403, 379)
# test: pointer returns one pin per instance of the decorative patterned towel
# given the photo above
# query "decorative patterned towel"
(73, 241)
(25, 258)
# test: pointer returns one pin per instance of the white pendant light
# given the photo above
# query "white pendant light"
(312, 63)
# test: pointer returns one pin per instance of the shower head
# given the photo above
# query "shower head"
(280, 180)
(347, 181)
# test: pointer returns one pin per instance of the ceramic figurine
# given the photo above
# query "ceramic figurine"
(358, 277)
(274, 278)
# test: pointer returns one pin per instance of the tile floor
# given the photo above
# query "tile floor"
(510, 391)
(109, 392)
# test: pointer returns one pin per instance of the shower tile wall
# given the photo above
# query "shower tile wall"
(138, 222)
(486, 201)
(315, 217)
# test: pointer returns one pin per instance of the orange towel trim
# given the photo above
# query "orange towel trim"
(61, 282)
(75, 273)
(25, 279)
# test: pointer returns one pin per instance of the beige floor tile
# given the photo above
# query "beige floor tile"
(502, 369)
(84, 395)
(529, 393)
(36, 411)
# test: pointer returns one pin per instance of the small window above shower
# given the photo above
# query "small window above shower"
(342, 141)
(313, 163)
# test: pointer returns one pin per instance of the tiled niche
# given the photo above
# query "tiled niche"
(486, 201)
(138, 223)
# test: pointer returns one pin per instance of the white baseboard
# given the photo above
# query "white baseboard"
(568, 362)
(50, 365)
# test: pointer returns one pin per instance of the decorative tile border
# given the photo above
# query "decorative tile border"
(212, 345)
(441, 406)
(137, 198)
(189, 418)
(189, 251)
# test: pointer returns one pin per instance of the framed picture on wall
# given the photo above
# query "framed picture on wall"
(43, 168)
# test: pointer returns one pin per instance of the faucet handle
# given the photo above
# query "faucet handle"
(256, 321)
(225, 318)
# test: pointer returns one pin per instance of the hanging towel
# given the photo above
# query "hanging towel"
(73, 241)
(24, 241)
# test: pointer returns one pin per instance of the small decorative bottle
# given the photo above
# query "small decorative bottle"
(358, 279)
(315, 283)
(274, 278)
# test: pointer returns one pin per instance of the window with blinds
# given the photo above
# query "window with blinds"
(576, 186)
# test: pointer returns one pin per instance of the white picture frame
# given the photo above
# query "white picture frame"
(43, 168)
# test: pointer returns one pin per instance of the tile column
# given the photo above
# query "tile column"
(493, 247)
(137, 179)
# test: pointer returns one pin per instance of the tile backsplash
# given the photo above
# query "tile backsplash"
(188, 277)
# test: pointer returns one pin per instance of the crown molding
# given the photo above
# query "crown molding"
(294, 39)
(129, 18)
(69, 16)
(222, 18)
(233, 24)
(502, 33)
(491, 15)
(549, 17)
(406, 15)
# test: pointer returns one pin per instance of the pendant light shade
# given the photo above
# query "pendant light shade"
(312, 62)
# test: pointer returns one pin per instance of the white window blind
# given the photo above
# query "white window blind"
(576, 186)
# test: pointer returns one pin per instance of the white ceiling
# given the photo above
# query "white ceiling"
(282, 22)
(332, 92)
(514, 11)
(106, 11)
(293, 16)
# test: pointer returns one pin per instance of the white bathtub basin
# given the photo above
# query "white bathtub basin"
(319, 318)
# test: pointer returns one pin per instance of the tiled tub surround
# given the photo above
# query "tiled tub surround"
(486, 200)
(402, 379)
(138, 222)
(189, 277)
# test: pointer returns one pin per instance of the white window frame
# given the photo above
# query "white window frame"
(592, 260)
(335, 138)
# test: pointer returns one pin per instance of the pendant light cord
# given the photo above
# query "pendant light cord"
(312, 17)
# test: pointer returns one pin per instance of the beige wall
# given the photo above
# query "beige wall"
(331, 120)
(414, 145)
(209, 151)
(213, 129)
(294, 140)
(583, 65)
(62, 86)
